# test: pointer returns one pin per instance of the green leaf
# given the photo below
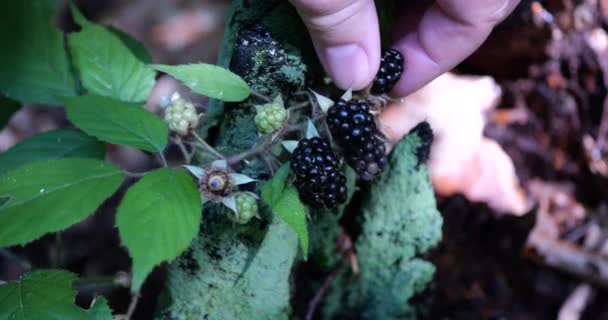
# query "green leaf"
(210, 80)
(118, 122)
(100, 309)
(41, 295)
(158, 218)
(51, 145)
(34, 62)
(106, 65)
(283, 198)
(7, 108)
(49, 196)
(136, 47)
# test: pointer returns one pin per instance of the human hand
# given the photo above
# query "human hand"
(433, 38)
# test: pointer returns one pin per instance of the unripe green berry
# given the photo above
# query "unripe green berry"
(247, 207)
(270, 118)
(181, 116)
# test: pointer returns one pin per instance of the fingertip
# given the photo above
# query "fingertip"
(350, 66)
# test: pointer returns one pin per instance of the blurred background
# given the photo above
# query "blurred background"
(520, 162)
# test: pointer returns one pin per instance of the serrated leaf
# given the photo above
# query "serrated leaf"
(51, 145)
(100, 309)
(324, 102)
(272, 189)
(137, 48)
(34, 62)
(118, 122)
(41, 295)
(49, 196)
(283, 198)
(106, 65)
(209, 80)
(158, 218)
(7, 108)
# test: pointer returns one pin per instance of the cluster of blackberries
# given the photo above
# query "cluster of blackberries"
(391, 68)
(318, 178)
(353, 127)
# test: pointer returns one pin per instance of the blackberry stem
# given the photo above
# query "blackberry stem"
(261, 96)
(180, 143)
(206, 146)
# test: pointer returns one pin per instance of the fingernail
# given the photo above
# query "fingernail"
(348, 66)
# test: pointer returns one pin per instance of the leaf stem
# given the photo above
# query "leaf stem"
(180, 143)
(206, 146)
(163, 160)
(100, 283)
(261, 96)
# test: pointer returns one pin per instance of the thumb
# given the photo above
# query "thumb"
(346, 37)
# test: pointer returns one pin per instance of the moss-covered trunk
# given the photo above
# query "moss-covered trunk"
(246, 272)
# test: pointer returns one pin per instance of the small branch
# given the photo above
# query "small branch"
(261, 96)
(132, 306)
(312, 305)
(163, 160)
(130, 310)
(206, 146)
(121, 280)
(260, 148)
(180, 143)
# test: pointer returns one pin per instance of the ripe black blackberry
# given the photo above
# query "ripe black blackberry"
(368, 159)
(318, 178)
(353, 127)
(391, 68)
(351, 123)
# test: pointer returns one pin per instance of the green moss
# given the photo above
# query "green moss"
(399, 223)
(234, 272)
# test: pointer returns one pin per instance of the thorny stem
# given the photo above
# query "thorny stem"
(206, 146)
(260, 148)
(261, 96)
(267, 144)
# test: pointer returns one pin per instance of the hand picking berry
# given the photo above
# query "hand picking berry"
(391, 68)
(318, 178)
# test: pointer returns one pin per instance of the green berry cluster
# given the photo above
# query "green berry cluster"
(270, 118)
(247, 207)
(181, 116)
